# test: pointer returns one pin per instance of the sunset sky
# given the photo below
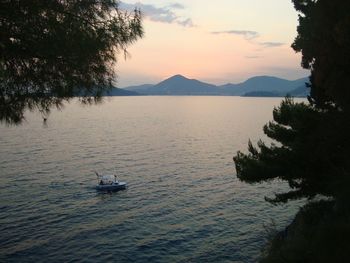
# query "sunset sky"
(218, 41)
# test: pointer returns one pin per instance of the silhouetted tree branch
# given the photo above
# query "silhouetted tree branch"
(53, 50)
(312, 154)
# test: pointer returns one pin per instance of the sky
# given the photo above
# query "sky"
(219, 42)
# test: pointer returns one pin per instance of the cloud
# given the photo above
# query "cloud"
(251, 37)
(247, 34)
(160, 14)
(188, 22)
(271, 44)
(177, 6)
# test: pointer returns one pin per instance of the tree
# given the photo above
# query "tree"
(324, 41)
(312, 154)
(51, 51)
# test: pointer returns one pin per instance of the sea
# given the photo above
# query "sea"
(184, 202)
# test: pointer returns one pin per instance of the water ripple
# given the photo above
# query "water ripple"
(183, 203)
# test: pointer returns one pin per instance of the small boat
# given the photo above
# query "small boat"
(109, 183)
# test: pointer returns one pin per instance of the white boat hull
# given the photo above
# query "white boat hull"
(111, 187)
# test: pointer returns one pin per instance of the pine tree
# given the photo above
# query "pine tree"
(313, 138)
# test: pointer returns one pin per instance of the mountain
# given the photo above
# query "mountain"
(139, 88)
(121, 92)
(277, 86)
(260, 86)
(178, 85)
(261, 94)
(300, 92)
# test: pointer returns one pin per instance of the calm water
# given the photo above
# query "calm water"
(184, 202)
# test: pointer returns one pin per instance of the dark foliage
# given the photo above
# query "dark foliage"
(312, 154)
(324, 41)
(53, 50)
(320, 232)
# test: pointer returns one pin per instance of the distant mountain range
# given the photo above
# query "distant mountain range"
(121, 92)
(267, 86)
(261, 86)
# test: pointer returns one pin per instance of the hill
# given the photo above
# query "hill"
(260, 86)
(178, 85)
(264, 84)
(121, 92)
(139, 88)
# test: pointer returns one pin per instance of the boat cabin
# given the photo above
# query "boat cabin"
(107, 179)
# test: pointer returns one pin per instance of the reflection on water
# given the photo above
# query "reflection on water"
(183, 203)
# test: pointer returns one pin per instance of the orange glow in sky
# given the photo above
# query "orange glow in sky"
(214, 41)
